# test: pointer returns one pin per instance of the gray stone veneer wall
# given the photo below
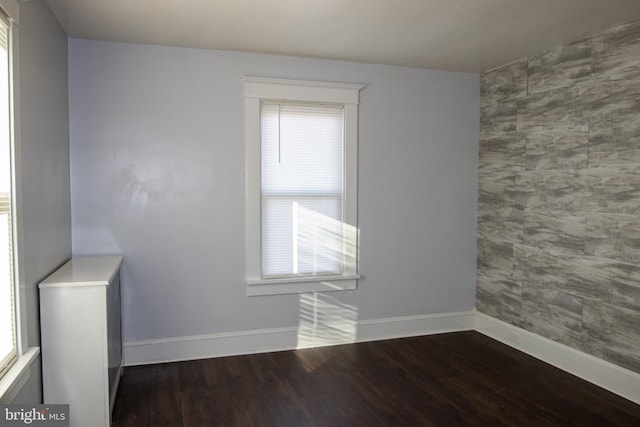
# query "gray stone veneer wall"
(559, 195)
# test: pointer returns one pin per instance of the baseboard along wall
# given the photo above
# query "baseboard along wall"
(307, 334)
(616, 379)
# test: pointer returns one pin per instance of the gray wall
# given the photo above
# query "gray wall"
(157, 154)
(559, 203)
(46, 211)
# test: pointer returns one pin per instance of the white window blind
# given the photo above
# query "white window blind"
(7, 318)
(302, 186)
(301, 169)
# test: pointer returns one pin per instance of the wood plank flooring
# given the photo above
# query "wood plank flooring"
(457, 379)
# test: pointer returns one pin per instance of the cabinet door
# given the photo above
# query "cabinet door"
(73, 321)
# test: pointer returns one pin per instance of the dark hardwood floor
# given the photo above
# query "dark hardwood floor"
(457, 379)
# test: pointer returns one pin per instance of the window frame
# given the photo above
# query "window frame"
(20, 372)
(12, 357)
(257, 89)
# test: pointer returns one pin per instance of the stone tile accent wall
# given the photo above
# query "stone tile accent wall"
(559, 195)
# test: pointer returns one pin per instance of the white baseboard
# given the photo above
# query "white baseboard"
(267, 340)
(614, 378)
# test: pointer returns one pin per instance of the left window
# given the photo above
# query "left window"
(8, 352)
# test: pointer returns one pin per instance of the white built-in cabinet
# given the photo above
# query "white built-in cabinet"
(81, 337)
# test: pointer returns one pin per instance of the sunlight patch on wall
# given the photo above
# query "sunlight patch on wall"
(324, 321)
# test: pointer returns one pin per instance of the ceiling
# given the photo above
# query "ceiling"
(458, 35)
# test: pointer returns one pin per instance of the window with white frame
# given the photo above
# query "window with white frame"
(8, 353)
(301, 171)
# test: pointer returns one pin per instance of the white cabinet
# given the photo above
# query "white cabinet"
(81, 337)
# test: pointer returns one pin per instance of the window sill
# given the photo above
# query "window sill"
(300, 285)
(17, 376)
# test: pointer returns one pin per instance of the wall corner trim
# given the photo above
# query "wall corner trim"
(613, 378)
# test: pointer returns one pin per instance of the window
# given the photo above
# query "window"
(7, 314)
(301, 171)
(16, 358)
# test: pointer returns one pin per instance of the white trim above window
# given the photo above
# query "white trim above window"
(313, 213)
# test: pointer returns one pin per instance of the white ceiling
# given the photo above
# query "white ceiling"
(460, 35)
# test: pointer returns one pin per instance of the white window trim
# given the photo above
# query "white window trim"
(16, 377)
(255, 90)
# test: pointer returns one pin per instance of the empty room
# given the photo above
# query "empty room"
(187, 242)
